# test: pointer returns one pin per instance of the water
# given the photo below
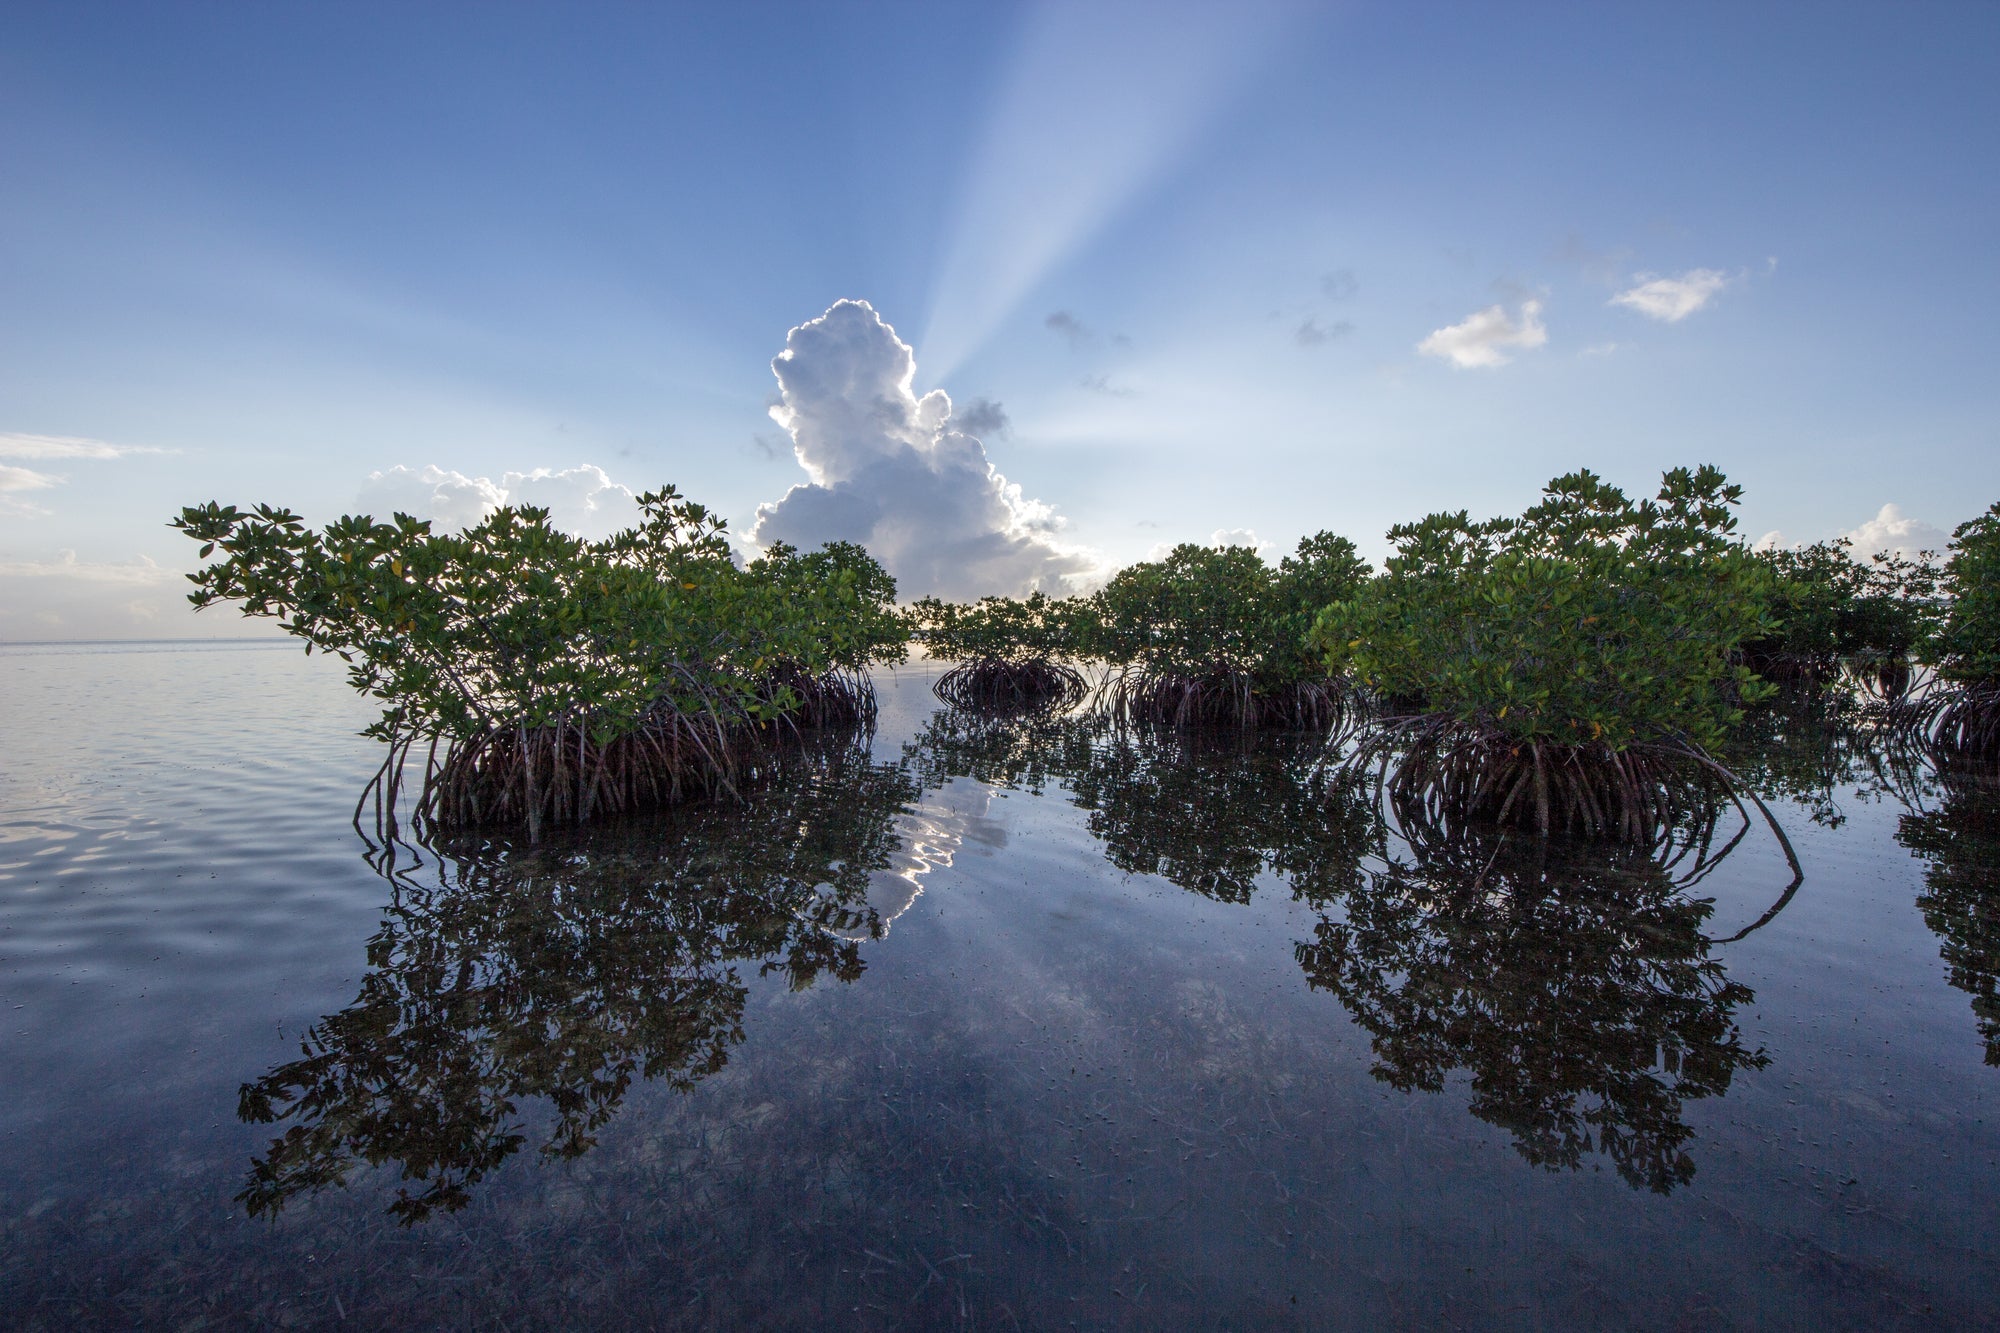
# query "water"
(970, 1026)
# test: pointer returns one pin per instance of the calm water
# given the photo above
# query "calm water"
(964, 1026)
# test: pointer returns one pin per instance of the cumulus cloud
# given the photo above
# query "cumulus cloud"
(1892, 530)
(981, 417)
(1312, 333)
(581, 500)
(1672, 299)
(1485, 338)
(897, 474)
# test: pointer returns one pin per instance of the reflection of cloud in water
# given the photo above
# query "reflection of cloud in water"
(932, 833)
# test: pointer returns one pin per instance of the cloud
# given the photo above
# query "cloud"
(1102, 384)
(1069, 326)
(581, 500)
(1672, 299)
(15, 479)
(891, 471)
(1312, 333)
(1339, 285)
(1483, 339)
(39, 448)
(982, 417)
(1892, 530)
(142, 572)
(14, 445)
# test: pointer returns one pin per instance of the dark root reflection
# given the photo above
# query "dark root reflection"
(558, 974)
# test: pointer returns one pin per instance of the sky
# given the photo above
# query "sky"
(1013, 293)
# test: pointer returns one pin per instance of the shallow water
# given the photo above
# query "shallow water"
(970, 1026)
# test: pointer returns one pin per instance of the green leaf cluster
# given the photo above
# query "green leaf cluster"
(514, 623)
(1206, 610)
(1014, 630)
(1590, 618)
(1967, 647)
(1828, 607)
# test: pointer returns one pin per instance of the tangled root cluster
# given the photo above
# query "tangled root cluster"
(1223, 698)
(997, 684)
(833, 698)
(1448, 774)
(1961, 722)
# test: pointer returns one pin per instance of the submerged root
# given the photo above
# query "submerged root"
(994, 683)
(1223, 698)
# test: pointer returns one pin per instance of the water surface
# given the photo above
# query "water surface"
(964, 1025)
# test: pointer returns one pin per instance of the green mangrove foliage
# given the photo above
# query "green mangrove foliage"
(553, 678)
(1831, 611)
(1962, 716)
(1561, 670)
(1011, 652)
(1214, 634)
(507, 979)
(1575, 986)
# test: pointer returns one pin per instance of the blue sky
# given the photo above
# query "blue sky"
(1195, 255)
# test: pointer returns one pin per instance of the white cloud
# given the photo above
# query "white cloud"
(582, 500)
(1892, 530)
(141, 572)
(16, 479)
(15, 445)
(1483, 339)
(888, 469)
(1672, 299)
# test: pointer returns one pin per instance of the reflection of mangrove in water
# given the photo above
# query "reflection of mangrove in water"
(1818, 747)
(566, 971)
(1960, 841)
(1574, 984)
(1574, 981)
(1209, 811)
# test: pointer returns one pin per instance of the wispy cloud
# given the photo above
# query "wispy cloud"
(16, 445)
(1672, 299)
(16, 479)
(1312, 333)
(1102, 384)
(1339, 285)
(1069, 326)
(1485, 339)
(142, 572)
